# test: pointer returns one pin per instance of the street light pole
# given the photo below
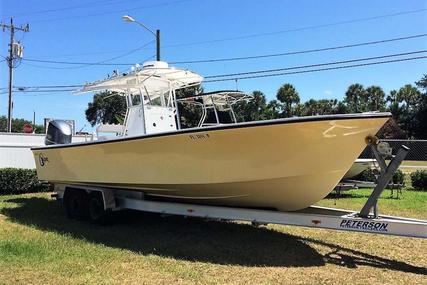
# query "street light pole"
(129, 19)
(158, 45)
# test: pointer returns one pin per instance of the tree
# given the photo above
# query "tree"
(391, 130)
(420, 122)
(310, 108)
(340, 108)
(18, 125)
(253, 110)
(420, 131)
(422, 83)
(299, 110)
(272, 110)
(375, 99)
(409, 96)
(355, 98)
(107, 108)
(288, 95)
(392, 97)
(324, 107)
(190, 114)
(406, 105)
(394, 107)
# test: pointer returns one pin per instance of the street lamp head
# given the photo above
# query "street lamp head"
(128, 18)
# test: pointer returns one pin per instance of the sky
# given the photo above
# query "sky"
(93, 31)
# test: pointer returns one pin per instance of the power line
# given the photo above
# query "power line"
(258, 74)
(316, 70)
(42, 91)
(119, 56)
(300, 29)
(111, 12)
(302, 51)
(256, 56)
(317, 64)
(86, 53)
(47, 67)
(22, 88)
(91, 4)
(85, 64)
(74, 63)
(234, 58)
(88, 64)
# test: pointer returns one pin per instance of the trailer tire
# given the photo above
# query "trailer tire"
(76, 204)
(97, 212)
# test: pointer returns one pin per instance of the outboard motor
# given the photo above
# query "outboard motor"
(58, 132)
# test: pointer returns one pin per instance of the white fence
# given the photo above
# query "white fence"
(15, 149)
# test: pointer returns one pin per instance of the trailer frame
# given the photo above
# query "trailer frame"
(313, 217)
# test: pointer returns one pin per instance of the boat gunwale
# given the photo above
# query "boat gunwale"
(228, 126)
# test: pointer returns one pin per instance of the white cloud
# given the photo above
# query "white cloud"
(328, 92)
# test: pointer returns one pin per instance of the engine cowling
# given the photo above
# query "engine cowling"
(58, 132)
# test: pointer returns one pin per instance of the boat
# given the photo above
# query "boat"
(282, 164)
(360, 165)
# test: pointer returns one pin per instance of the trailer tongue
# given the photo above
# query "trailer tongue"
(314, 217)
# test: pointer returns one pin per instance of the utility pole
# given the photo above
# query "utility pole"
(15, 52)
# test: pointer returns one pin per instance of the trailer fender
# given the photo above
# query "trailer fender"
(108, 197)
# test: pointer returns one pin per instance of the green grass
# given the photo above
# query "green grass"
(414, 163)
(38, 245)
(408, 203)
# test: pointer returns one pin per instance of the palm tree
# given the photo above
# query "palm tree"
(410, 96)
(392, 97)
(288, 95)
(253, 110)
(354, 97)
(422, 83)
(257, 106)
(375, 96)
(106, 107)
(310, 107)
(272, 110)
(405, 108)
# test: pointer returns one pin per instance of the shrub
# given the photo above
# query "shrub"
(419, 180)
(368, 175)
(398, 177)
(372, 174)
(18, 181)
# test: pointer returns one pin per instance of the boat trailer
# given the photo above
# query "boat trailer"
(102, 201)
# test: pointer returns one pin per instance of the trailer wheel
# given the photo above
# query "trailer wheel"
(97, 212)
(76, 204)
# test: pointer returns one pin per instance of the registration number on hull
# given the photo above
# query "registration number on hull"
(199, 136)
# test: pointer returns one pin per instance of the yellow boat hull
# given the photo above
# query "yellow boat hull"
(287, 164)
